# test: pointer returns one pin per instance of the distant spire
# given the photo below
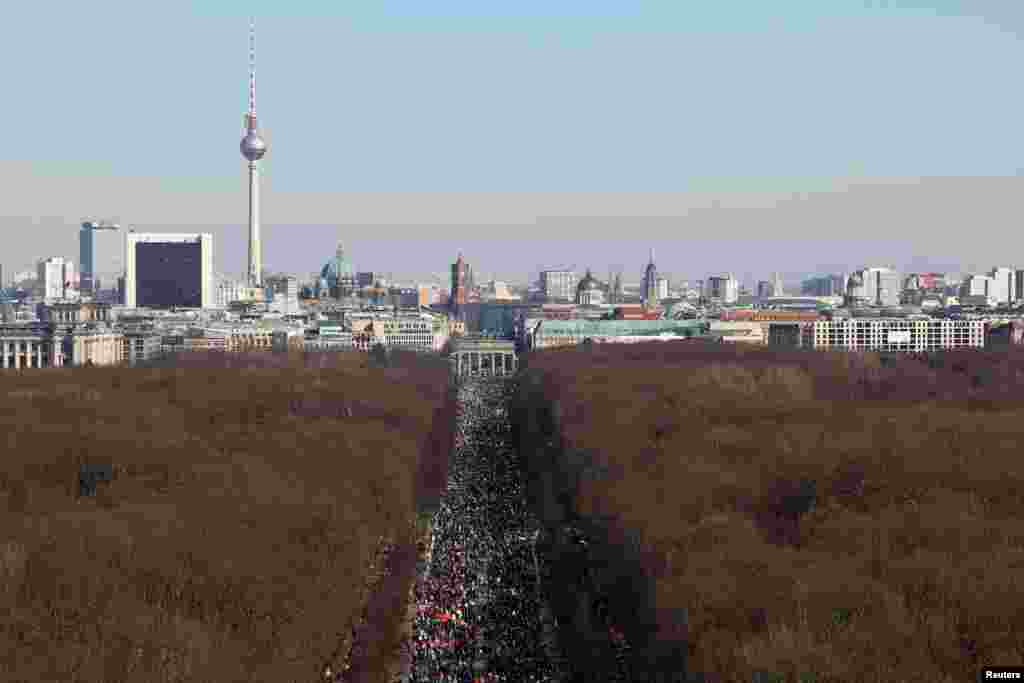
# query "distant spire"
(252, 72)
(652, 255)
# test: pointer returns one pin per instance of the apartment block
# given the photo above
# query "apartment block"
(898, 334)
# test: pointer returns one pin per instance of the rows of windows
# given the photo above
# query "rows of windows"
(899, 335)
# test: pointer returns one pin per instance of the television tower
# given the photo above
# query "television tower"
(253, 148)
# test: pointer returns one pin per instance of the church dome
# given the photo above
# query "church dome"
(589, 291)
(588, 284)
(337, 268)
(330, 271)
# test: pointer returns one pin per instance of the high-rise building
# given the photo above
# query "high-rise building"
(662, 288)
(1018, 285)
(777, 288)
(458, 295)
(101, 257)
(875, 286)
(558, 285)
(283, 294)
(764, 289)
(649, 286)
(615, 288)
(1004, 285)
(253, 147)
(165, 270)
(53, 277)
(723, 289)
(978, 285)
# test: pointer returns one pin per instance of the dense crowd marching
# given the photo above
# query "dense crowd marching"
(478, 614)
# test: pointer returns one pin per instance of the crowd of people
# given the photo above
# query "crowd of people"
(478, 615)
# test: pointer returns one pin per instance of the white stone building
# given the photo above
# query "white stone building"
(898, 334)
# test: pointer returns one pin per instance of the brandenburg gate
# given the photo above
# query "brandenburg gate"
(482, 357)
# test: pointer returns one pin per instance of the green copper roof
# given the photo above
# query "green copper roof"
(633, 328)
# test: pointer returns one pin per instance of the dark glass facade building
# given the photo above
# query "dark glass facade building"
(168, 274)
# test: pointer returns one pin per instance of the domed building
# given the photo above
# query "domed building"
(589, 292)
(336, 277)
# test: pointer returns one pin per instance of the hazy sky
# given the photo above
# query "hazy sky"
(737, 135)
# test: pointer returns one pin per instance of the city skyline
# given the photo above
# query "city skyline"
(716, 141)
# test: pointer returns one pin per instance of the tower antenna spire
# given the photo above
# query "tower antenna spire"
(252, 72)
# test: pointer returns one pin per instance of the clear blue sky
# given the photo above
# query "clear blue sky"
(127, 109)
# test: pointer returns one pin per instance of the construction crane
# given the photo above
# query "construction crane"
(102, 224)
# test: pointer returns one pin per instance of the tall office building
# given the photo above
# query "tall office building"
(777, 288)
(458, 292)
(615, 288)
(649, 286)
(53, 274)
(1005, 285)
(101, 257)
(875, 286)
(723, 289)
(662, 288)
(165, 270)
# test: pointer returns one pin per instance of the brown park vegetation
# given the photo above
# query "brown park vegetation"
(821, 516)
(238, 529)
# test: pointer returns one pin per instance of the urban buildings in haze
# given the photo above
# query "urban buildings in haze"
(825, 285)
(168, 270)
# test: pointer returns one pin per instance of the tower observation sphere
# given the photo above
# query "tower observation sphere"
(252, 146)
